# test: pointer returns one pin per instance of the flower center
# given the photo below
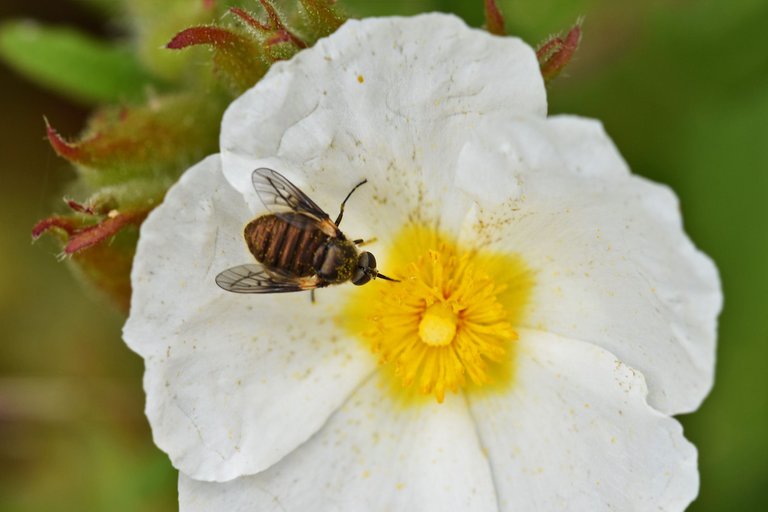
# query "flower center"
(438, 325)
(448, 323)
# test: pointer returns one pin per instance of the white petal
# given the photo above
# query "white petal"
(612, 263)
(392, 100)
(233, 382)
(575, 433)
(372, 456)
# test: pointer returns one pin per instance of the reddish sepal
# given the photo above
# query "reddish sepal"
(62, 223)
(279, 32)
(494, 21)
(79, 208)
(215, 36)
(237, 57)
(94, 234)
(64, 149)
(557, 52)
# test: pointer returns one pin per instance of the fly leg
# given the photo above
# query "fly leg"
(360, 242)
(341, 212)
(312, 295)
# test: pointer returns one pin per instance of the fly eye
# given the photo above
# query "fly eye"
(360, 277)
(366, 261)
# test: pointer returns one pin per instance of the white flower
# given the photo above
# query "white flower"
(543, 288)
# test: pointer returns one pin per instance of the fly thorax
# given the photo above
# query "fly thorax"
(335, 261)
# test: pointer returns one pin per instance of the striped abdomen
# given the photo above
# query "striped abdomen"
(288, 242)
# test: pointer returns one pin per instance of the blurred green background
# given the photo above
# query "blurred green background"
(682, 87)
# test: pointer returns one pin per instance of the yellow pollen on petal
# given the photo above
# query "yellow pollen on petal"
(449, 324)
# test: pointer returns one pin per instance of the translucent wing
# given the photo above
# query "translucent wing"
(276, 192)
(254, 278)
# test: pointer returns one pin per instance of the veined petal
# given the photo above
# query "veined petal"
(612, 263)
(392, 100)
(233, 382)
(373, 455)
(576, 433)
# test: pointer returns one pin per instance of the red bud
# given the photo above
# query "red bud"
(494, 21)
(557, 52)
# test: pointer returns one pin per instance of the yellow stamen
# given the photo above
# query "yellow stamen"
(449, 324)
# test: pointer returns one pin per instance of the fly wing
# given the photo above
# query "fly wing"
(277, 193)
(255, 278)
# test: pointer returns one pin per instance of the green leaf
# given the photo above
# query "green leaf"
(106, 8)
(154, 22)
(73, 64)
(321, 17)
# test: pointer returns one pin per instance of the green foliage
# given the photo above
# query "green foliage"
(153, 23)
(66, 61)
(321, 18)
(156, 141)
(102, 7)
